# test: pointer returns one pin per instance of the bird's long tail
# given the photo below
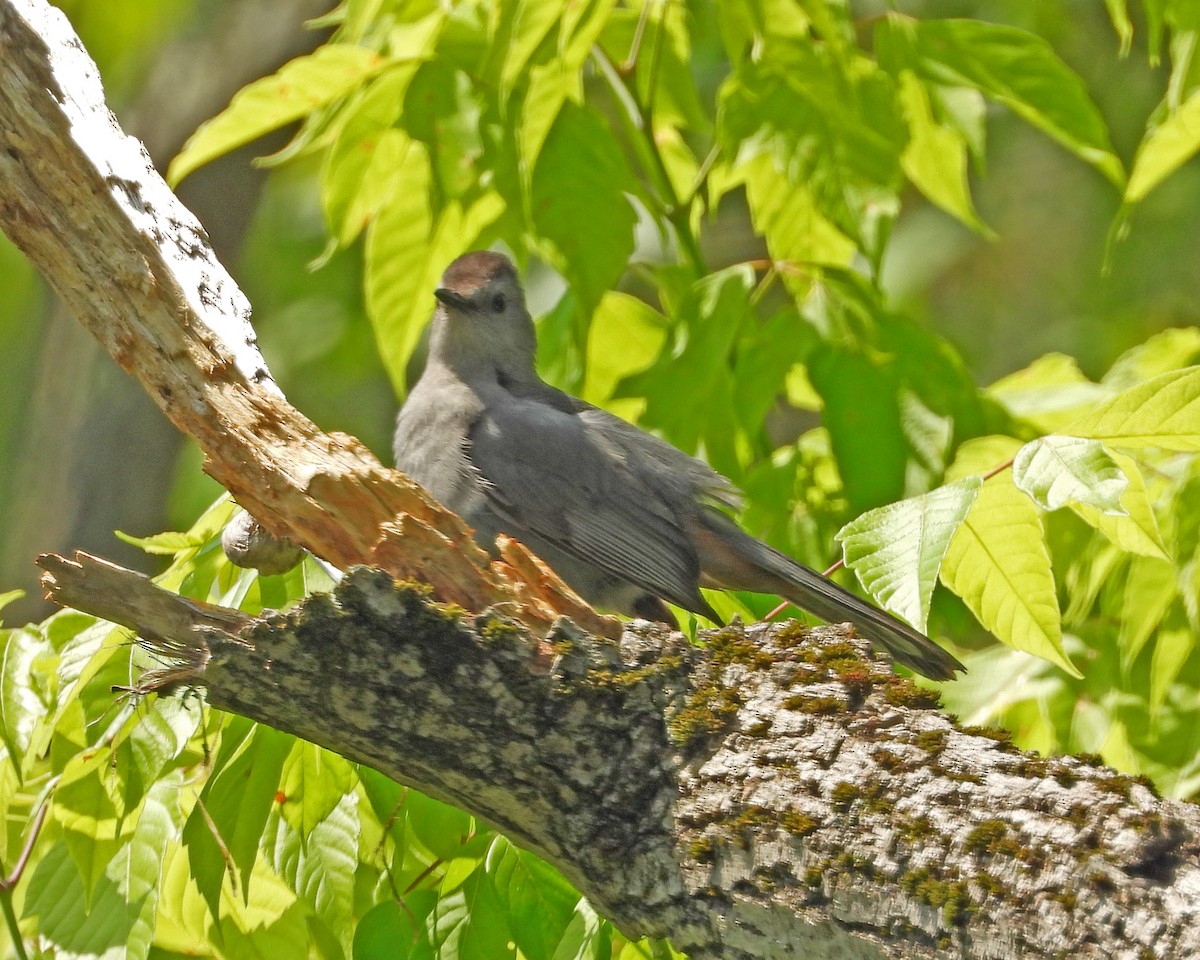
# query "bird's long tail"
(734, 560)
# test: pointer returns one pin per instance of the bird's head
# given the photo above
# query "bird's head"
(482, 321)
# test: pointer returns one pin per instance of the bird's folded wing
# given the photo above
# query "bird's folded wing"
(546, 471)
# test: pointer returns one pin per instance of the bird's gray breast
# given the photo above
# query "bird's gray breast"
(432, 444)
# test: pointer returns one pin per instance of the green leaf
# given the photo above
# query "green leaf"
(238, 800)
(55, 896)
(581, 177)
(587, 936)
(830, 129)
(624, 338)
(394, 931)
(364, 166)
(1165, 149)
(319, 863)
(1172, 648)
(9, 596)
(1150, 588)
(1136, 530)
(138, 867)
(297, 89)
(468, 923)
(1021, 71)
(896, 551)
(935, 159)
(998, 562)
(710, 317)
(1167, 350)
(407, 250)
(19, 703)
(440, 827)
(313, 782)
(540, 902)
(1162, 412)
(1058, 470)
(796, 231)
(165, 544)
(1049, 393)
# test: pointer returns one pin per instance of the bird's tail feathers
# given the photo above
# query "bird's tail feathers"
(739, 561)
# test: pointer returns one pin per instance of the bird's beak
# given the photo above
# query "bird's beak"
(451, 298)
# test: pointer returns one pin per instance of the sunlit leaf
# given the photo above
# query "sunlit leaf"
(624, 338)
(998, 563)
(1162, 412)
(1165, 148)
(1020, 70)
(896, 551)
(313, 782)
(1049, 393)
(1136, 530)
(539, 901)
(294, 91)
(1058, 470)
(581, 177)
(935, 158)
(469, 922)
(1150, 588)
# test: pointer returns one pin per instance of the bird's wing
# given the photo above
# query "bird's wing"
(551, 473)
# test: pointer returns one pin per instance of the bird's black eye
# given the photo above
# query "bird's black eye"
(498, 303)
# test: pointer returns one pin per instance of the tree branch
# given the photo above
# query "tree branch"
(776, 794)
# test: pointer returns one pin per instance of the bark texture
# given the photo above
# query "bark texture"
(779, 793)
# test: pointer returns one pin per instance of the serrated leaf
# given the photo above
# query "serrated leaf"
(796, 231)
(55, 896)
(896, 551)
(319, 863)
(998, 563)
(1137, 530)
(935, 158)
(1162, 412)
(1058, 470)
(295, 90)
(1165, 148)
(1020, 70)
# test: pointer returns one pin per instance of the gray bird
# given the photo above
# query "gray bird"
(623, 517)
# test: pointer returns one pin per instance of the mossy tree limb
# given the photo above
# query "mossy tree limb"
(776, 793)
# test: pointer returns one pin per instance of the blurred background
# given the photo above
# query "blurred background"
(84, 452)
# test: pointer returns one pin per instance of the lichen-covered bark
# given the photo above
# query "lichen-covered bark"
(776, 793)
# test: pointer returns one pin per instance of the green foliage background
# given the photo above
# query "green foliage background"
(763, 229)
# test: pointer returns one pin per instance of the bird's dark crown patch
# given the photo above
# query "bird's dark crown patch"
(472, 270)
